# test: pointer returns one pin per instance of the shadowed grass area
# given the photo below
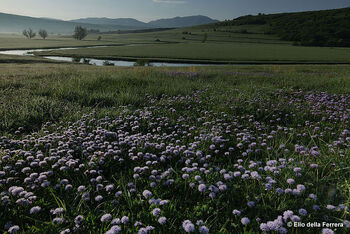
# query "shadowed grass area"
(33, 94)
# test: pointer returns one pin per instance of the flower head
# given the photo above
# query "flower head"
(156, 212)
(188, 226)
(13, 229)
(203, 230)
(106, 218)
(245, 221)
(162, 220)
(35, 210)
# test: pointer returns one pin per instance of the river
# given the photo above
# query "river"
(92, 61)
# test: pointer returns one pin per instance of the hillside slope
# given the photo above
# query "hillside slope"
(313, 28)
(178, 22)
(10, 23)
(108, 21)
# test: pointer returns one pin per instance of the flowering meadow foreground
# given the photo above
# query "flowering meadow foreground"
(211, 161)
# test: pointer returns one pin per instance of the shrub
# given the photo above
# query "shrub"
(142, 63)
(76, 59)
(107, 63)
(86, 61)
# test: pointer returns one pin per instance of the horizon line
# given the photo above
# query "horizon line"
(170, 17)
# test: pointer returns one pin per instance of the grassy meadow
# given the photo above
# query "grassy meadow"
(202, 44)
(212, 149)
(229, 149)
(214, 52)
(17, 41)
(43, 90)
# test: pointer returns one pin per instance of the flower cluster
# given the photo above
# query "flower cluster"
(260, 163)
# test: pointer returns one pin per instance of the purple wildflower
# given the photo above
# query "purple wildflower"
(327, 231)
(236, 212)
(162, 220)
(124, 219)
(302, 212)
(114, 230)
(156, 212)
(147, 194)
(202, 188)
(245, 221)
(188, 226)
(35, 210)
(203, 230)
(106, 218)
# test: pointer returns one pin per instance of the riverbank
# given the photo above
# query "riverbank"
(183, 46)
(98, 60)
(211, 53)
(42, 88)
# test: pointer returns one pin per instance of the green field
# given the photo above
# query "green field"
(241, 52)
(11, 41)
(15, 41)
(36, 93)
(222, 45)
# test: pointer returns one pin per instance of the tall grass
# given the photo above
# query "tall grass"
(34, 94)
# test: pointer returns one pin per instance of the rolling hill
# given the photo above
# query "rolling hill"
(129, 22)
(10, 23)
(179, 22)
(15, 24)
(311, 28)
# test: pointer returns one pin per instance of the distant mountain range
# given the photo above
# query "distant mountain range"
(10, 23)
(176, 22)
(179, 22)
(16, 24)
(128, 22)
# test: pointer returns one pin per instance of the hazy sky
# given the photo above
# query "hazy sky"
(153, 9)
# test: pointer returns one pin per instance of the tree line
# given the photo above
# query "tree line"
(313, 28)
(79, 33)
(29, 33)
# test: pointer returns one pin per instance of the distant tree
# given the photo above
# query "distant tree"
(80, 33)
(29, 33)
(99, 38)
(43, 33)
(205, 37)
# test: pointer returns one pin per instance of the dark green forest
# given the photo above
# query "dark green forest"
(313, 28)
